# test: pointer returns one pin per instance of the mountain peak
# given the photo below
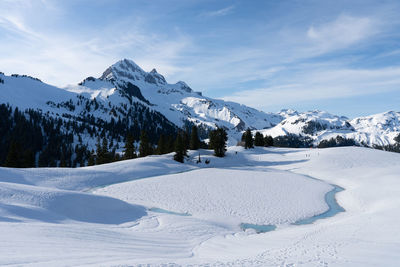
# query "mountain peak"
(128, 70)
(123, 69)
(184, 86)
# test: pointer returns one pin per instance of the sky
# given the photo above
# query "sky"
(338, 56)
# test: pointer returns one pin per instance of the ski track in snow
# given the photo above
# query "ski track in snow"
(47, 218)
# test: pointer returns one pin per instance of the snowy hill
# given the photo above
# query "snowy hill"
(27, 92)
(154, 211)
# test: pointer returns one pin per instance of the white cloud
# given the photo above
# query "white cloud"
(342, 32)
(269, 56)
(66, 57)
(313, 85)
(218, 13)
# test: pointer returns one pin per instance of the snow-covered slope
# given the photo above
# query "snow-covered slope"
(380, 129)
(27, 92)
(119, 225)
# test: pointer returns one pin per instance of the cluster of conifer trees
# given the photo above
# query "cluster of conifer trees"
(248, 141)
(296, 141)
(32, 139)
(184, 140)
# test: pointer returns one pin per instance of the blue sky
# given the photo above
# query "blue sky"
(338, 56)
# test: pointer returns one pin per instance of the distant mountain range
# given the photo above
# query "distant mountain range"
(132, 97)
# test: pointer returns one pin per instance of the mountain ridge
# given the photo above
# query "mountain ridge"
(125, 83)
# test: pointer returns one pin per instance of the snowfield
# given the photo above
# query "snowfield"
(258, 197)
(105, 216)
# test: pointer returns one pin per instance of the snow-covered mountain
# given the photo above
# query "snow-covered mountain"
(125, 83)
(128, 95)
(178, 102)
(375, 130)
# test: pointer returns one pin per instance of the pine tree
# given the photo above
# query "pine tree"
(218, 140)
(243, 137)
(130, 150)
(63, 162)
(248, 139)
(103, 155)
(170, 144)
(162, 147)
(117, 157)
(14, 156)
(259, 139)
(268, 140)
(194, 139)
(28, 159)
(145, 148)
(98, 151)
(397, 139)
(91, 160)
(180, 150)
(186, 139)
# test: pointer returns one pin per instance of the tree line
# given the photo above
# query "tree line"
(180, 144)
(298, 141)
(34, 139)
(249, 141)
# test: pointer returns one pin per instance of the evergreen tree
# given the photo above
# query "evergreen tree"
(130, 150)
(103, 155)
(145, 148)
(98, 151)
(218, 140)
(170, 144)
(186, 139)
(111, 155)
(397, 139)
(117, 157)
(14, 156)
(63, 162)
(28, 159)
(248, 139)
(162, 146)
(194, 139)
(91, 160)
(180, 150)
(243, 137)
(268, 140)
(259, 139)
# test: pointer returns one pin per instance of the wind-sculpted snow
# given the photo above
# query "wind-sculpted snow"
(92, 177)
(23, 202)
(41, 225)
(258, 197)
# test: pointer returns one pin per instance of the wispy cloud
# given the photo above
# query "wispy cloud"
(65, 57)
(314, 85)
(218, 13)
(274, 51)
(342, 32)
